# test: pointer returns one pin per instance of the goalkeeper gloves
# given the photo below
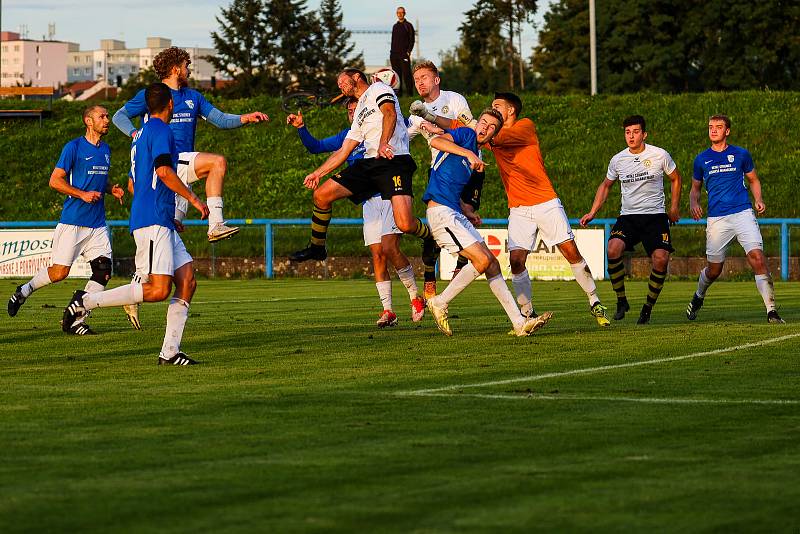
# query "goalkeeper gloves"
(418, 108)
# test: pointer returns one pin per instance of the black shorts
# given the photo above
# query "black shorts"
(651, 230)
(389, 177)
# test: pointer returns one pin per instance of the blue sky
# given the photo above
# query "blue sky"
(189, 22)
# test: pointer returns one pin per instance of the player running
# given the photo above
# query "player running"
(387, 166)
(160, 252)
(172, 68)
(535, 206)
(449, 105)
(81, 230)
(381, 234)
(453, 230)
(723, 169)
(640, 170)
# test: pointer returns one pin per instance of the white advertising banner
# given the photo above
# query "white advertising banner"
(544, 263)
(23, 252)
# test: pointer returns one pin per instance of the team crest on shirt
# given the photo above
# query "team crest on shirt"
(730, 158)
(647, 163)
(190, 103)
(445, 110)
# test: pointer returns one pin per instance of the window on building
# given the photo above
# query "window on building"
(99, 64)
(87, 71)
(16, 48)
(38, 62)
(76, 72)
(37, 49)
(38, 75)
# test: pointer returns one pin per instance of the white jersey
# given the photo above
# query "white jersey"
(641, 177)
(449, 105)
(368, 121)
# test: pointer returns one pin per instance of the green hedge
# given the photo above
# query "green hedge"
(578, 134)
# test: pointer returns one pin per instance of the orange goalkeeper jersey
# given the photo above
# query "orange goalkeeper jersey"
(516, 150)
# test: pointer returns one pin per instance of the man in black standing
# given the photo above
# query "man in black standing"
(400, 54)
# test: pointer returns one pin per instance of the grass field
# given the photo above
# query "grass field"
(305, 417)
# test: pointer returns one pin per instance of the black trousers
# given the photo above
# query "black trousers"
(402, 66)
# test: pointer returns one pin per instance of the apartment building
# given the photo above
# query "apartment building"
(32, 62)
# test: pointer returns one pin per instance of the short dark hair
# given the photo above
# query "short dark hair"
(89, 109)
(157, 96)
(352, 70)
(634, 120)
(723, 118)
(512, 99)
(493, 113)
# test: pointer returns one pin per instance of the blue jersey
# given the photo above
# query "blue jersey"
(87, 167)
(329, 144)
(153, 202)
(451, 173)
(189, 104)
(723, 175)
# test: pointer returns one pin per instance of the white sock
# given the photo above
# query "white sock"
(458, 284)
(214, 211)
(767, 290)
(702, 284)
(406, 275)
(93, 287)
(584, 278)
(177, 313)
(39, 280)
(385, 293)
(500, 289)
(522, 288)
(119, 296)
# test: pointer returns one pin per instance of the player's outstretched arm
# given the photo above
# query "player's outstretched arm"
(694, 200)
(599, 199)
(123, 121)
(59, 183)
(334, 160)
(444, 143)
(675, 189)
(167, 175)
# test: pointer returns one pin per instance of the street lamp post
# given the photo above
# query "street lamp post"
(592, 47)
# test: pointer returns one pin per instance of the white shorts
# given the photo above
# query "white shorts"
(378, 220)
(451, 229)
(70, 241)
(159, 250)
(186, 171)
(188, 175)
(720, 231)
(549, 219)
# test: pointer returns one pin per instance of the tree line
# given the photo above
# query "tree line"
(274, 46)
(642, 45)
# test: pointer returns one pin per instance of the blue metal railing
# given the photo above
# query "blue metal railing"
(270, 224)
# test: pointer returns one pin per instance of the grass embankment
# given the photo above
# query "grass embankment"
(578, 135)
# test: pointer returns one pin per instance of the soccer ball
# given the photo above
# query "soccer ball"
(387, 76)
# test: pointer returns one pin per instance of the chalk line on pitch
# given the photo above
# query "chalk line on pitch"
(644, 400)
(599, 369)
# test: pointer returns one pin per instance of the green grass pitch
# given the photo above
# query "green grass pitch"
(305, 417)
